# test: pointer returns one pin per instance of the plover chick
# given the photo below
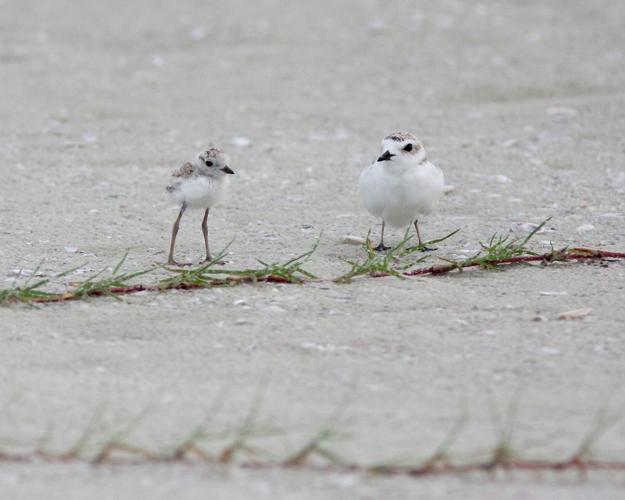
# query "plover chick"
(200, 183)
(401, 184)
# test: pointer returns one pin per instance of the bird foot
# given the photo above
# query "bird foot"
(172, 262)
(427, 249)
(210, 259)
(381, 248)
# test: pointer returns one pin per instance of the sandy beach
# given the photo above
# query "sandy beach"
(521, 103)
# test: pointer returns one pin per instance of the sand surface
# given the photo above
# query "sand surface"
(521, 103)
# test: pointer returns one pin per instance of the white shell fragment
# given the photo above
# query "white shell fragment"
(313, 346)
(240, 141)
(448, 189)
(353, 240)
(575, 314)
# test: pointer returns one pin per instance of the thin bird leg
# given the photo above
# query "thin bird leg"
(174, 233)
(423, 247)
(205, 233)
(381, 247)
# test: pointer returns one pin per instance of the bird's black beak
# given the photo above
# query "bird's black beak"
(227, 170)
(386, 156)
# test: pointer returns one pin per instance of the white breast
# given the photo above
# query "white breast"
(200, 191)
(400, 195)
(374, 187)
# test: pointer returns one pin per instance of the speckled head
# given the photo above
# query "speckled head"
(215, 159)
(402, 146)
(401, 136)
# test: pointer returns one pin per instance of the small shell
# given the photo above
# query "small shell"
(502, 179)
(575, 314)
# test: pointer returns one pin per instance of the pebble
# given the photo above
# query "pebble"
(585, 227)
(377, 27)
(199, 32)
(157, 60)
(89, 138)
(273, 309)
(324, 348)
(618, 179)
(528, 227)
(240, 141)
(562, 111)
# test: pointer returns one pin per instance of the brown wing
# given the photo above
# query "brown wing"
(187, 170)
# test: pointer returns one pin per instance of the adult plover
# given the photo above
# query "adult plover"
(401, 184)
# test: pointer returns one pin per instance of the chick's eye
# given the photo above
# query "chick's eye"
(209, 163)
(408, 147)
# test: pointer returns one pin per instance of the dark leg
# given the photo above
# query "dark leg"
(381, 247)
(174, 233)
(205, 233)
(423, 247)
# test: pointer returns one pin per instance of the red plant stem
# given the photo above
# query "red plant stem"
(125, 290)
(574, 254)
(138, 456)
(450, 468)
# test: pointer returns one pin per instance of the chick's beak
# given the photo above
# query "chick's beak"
(227, 170)
(386, 156)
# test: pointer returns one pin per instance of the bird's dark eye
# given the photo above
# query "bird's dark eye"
(209, 163)
(408, 147)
